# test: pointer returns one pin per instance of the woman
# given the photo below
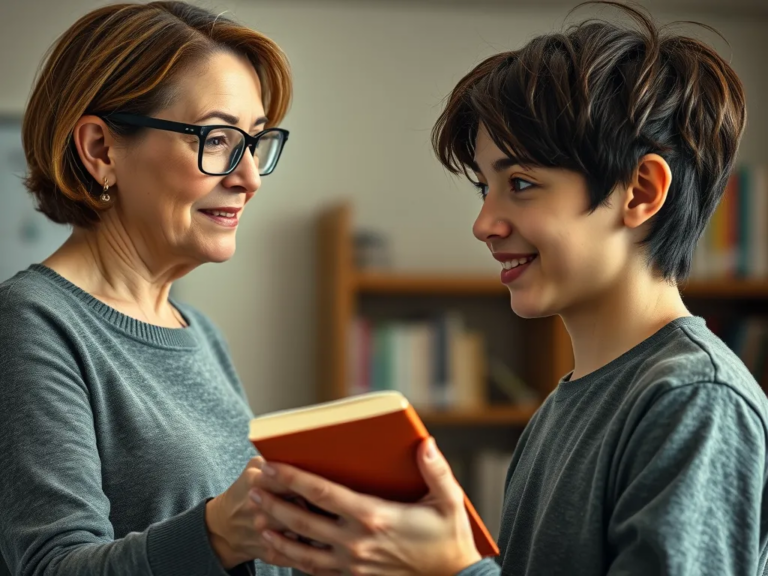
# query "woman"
(123, 425)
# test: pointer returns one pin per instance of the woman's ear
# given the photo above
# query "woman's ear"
(648, 191)
(94, 144)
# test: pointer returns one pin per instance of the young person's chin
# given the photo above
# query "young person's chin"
(529, 306)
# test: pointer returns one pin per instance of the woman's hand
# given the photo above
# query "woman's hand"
(371, 536)
(235, 522)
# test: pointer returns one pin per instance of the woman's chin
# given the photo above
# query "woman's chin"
(218, 254)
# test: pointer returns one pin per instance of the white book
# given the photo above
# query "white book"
(401, 358)
(491, 471)
(422, 364)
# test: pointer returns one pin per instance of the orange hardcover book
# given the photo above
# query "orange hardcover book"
(366, 442)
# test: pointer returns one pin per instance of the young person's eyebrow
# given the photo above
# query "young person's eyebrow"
(503, 163)
(498, 165)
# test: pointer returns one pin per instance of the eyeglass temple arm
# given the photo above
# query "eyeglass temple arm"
(145, 122)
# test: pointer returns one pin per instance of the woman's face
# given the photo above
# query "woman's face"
(171, 211)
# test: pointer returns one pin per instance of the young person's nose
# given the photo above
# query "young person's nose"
(490, 223)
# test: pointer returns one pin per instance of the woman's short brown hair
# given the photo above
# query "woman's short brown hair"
(124, 57)
(597, 98)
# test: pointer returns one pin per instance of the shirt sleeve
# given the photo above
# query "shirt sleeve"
(689, 490)
(54, 515)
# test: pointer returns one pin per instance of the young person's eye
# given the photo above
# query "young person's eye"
(482, 189)
(520, 184)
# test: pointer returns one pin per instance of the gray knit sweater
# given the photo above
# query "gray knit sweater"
(113, 433)
(654, 464)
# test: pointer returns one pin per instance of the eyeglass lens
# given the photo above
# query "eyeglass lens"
(224, 147)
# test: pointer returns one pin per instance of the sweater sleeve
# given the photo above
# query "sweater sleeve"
(55, 517)
(689, 495)
(486, 567)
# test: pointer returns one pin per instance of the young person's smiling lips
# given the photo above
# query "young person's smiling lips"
(514, 264)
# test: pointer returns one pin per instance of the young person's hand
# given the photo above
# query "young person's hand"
(371, 535)
(235, 522)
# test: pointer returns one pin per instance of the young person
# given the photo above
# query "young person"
(600, 154)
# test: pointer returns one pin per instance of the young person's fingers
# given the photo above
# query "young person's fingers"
(307, 558)
(297, 519)
(328, 496)
(438, 476)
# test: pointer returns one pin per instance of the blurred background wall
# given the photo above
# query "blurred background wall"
(370, 79)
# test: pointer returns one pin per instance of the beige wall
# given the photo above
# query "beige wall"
(370, 78)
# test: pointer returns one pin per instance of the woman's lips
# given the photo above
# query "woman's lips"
(227, 217)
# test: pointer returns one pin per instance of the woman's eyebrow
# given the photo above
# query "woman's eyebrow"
(228, 118)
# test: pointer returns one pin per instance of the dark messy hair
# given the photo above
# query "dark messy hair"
(596, 99)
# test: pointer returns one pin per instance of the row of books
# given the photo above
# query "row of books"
(735, 242)
(748, 338)
(436, 363)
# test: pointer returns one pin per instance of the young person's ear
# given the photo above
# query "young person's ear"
(648, 190)
(94, 144)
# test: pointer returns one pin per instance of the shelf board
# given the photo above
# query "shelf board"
(490, 416)
(402, 283)
(384, 283)
(726, 288)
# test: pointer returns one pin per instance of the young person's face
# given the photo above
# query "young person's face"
(540, 217)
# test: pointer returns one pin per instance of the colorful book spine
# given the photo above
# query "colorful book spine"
(735, 241)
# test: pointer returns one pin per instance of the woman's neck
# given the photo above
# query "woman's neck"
(105, 263)
(629, 313)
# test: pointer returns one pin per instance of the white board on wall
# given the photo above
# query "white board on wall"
(26, 236)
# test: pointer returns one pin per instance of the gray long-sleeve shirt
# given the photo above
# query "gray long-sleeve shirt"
(655, 464)
(113, 433)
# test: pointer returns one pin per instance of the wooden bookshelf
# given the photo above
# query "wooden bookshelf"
(378, 283)
(404, 283)
(727, 289)
(341, 288)
(491, 416)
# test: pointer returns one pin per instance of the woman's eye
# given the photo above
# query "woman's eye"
(216, 141)
(520, 185)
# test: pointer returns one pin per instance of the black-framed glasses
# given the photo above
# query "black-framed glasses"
(221, 146)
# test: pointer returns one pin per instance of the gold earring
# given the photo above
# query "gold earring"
(104, 196)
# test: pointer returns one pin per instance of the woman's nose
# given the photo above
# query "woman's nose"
(247, 173)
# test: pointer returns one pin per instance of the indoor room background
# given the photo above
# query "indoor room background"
(371, 77)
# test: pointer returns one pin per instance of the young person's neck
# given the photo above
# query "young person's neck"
(107, 265)
(632, 311)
